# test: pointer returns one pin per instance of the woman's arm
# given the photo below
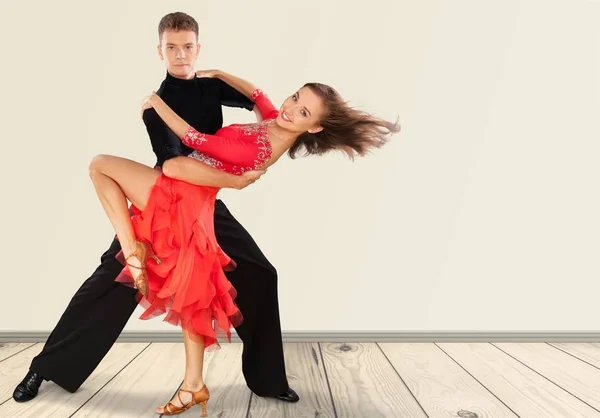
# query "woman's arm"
(230, 96)
(263, 108)
(195, 172)
(243, 86)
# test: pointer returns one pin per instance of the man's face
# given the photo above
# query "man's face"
(179, 50)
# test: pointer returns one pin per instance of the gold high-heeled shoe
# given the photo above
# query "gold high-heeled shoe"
(143, 251)
(200, 397)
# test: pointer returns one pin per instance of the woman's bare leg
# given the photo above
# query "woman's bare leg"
(117, 180)
(193, 380)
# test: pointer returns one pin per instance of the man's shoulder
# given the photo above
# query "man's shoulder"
(161, 86)
(208, 82)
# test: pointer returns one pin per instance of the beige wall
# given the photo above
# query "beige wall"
(483, 214)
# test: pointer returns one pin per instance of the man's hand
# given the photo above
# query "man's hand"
(206, 73)
(249, 177)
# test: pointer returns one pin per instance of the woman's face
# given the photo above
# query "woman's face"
(301, 112)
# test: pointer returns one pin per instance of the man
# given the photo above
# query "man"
(100, 309)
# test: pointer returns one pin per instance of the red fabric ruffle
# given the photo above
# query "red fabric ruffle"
(189, 286)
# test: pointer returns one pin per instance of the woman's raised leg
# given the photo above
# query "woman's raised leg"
(117, 180)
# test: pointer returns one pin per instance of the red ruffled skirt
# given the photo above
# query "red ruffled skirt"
(190, 285)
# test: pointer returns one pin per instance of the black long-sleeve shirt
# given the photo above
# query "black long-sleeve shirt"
(198, 101)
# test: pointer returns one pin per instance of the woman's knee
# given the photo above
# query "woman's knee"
(96, 164)
(170, 168)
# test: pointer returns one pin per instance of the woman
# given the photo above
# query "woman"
(169, 245)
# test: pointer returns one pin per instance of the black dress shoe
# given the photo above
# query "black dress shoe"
(28, 388)
(288, 396)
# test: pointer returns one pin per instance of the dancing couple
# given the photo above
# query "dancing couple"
(178, 251)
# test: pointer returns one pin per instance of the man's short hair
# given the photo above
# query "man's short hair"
(177, 21)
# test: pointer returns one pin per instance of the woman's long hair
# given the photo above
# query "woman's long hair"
(346, 129)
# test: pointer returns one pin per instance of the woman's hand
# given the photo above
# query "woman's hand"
(206, 73)
(249, 177)
(148, 102)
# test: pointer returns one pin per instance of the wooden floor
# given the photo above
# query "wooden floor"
(468, 380)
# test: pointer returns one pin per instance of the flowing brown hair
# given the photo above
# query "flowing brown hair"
(346, 129)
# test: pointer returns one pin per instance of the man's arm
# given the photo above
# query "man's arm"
(230, 97)
(262, 104)
(196, 172)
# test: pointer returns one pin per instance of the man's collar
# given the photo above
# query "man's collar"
(179, 81)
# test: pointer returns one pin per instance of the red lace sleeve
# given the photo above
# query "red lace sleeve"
(228, 146)
(264, 104)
